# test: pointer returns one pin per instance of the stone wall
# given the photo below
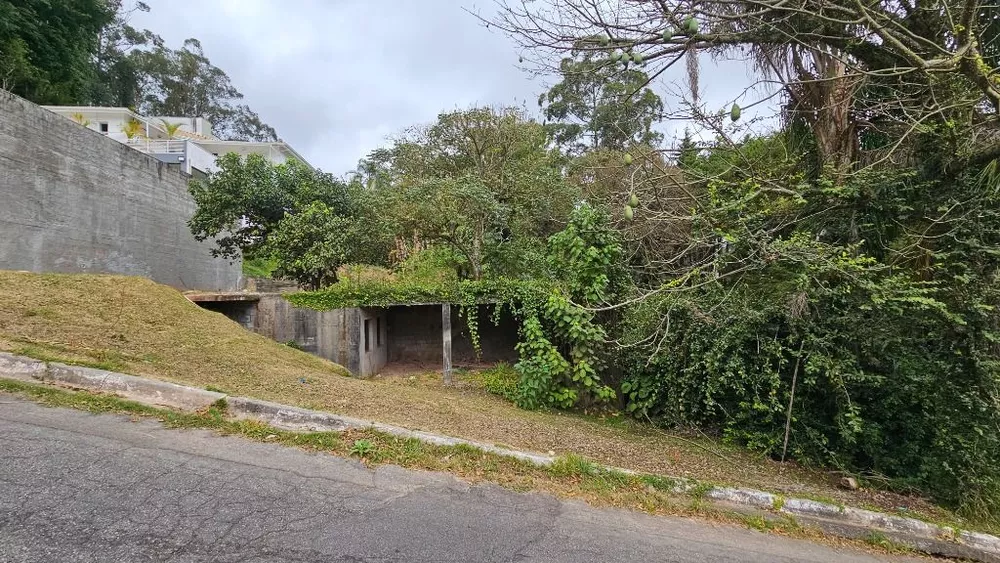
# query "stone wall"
(73, 200)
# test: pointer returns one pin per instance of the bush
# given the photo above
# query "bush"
(501, 380)
(895, 364)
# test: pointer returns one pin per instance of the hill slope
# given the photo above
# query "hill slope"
(133, 325)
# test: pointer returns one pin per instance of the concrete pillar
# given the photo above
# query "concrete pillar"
(446, 338)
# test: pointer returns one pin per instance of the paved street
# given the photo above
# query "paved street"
(76, 487)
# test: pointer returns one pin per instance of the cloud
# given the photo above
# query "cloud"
(336, 77)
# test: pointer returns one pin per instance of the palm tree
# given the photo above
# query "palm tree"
(170, 128)
(79, 118)
(133, 128)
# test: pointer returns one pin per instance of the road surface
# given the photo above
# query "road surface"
(78, 487)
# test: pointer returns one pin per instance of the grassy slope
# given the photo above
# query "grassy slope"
(135, 326)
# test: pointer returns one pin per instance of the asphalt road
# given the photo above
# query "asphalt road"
(77, 487)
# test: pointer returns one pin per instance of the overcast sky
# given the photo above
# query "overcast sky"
(337, 77)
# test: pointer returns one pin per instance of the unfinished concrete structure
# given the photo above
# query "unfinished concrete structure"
(366, 340)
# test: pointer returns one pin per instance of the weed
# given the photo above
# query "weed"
(362, 448)
(571, 465)
(659, 483)
(215, 389)
(778, 503)
(757, 522)
(502, 380)
(701, 489)
(878, 539)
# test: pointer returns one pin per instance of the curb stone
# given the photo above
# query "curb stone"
(294, 418)
(136, 388)
(838, 520)
(22, 369)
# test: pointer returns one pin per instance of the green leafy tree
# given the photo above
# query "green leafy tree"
(117, 78)
(835, 298)
(482, 181)
(184, 82)
(47, 47)
(598, 104)
(310, 244)
(241, 204)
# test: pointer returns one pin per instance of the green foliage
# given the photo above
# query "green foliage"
(248, 196)
(259, 267)
(501, 380)
(46, 47)
(882, 312)
(481, 182)
(599, 106)
(587, 255)
(516, 294)
(362, 448)
(311, 244)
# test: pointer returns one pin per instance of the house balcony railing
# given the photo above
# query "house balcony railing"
(158, 146)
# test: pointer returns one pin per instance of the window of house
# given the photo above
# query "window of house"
(104, 127)
(367, 331)
(378, 332)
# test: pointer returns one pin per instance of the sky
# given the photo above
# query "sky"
(337, 78)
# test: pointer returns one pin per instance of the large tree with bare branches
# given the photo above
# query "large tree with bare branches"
(830, 286)
(850, 69)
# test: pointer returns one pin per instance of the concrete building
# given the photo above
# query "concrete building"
(192, 146)
(403, 338)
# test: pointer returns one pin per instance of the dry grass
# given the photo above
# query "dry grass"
(135, 326)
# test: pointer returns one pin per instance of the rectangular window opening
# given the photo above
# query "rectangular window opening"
(104, 127)
(367, 331)
(378, 332)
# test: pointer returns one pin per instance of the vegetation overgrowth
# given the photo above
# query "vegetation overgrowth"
(811, 270)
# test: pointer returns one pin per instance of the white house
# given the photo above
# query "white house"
(192, 146)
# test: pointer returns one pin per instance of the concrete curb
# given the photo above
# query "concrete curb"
(837, 520)
(159, 393)
(296, 419)
(22, 369)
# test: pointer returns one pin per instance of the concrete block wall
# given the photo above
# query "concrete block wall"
(76, 201)
(415, 335)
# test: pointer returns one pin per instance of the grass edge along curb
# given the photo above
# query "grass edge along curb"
(152, 395)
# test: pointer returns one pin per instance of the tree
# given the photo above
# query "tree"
(117, 77)
(498, 187)
(242, 203)
(836, 300)
(851, 71)
(46, 47)
(184, 82)
(598, 104)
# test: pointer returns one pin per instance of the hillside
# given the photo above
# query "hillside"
(135, 326)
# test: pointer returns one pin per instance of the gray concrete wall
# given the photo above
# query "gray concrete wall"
(375, 354)
(415, 336)
(73, 200)
(333, 335)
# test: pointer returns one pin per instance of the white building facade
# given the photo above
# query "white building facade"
(185, 141)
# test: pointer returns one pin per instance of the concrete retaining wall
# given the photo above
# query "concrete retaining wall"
(76, 201)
